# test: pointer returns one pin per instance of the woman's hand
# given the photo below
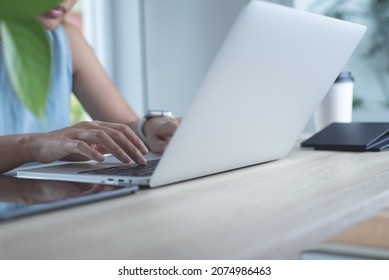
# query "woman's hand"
(159, 131)
(89, 140)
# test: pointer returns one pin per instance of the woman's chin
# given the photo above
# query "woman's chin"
(50, 23)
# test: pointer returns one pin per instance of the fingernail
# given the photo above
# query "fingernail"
(126, 158)
(100, 157)
(141, 159)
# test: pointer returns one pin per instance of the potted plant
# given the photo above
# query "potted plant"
(26, 50)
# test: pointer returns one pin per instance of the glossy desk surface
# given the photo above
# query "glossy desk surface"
(272, 210)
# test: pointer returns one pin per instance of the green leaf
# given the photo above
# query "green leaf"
(22, 9)
(28, 60)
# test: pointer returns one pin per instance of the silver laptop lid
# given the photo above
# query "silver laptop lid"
(272, 71)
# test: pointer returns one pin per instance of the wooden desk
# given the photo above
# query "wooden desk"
(366, 240)
(273, 210)
(373, 233)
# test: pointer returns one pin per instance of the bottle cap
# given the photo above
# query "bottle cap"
(344, 77)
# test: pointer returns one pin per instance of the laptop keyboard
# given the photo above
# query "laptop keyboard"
(126, 170)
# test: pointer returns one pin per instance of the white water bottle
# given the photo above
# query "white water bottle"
(337, 105)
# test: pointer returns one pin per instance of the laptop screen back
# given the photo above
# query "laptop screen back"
(273, 70)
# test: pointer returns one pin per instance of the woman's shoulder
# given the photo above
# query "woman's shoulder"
(71, 28)
(73, 33)
(78, 45)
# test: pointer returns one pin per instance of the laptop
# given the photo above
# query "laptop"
(271, 73)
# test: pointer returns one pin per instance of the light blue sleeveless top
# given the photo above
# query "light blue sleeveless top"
(15, 118)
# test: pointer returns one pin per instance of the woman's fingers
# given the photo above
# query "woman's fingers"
(89, 140)
(100, 137)
(116, 140)
(168, 130)
(126, 132)
(159, 146)
(82, 148)
(159, 132)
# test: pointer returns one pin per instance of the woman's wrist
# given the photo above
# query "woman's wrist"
(142, 123)
(27, 144)
(138, 128)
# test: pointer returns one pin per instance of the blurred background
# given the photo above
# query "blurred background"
(158, 51)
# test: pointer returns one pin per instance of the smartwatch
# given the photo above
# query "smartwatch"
(158, 113)
(149, 115)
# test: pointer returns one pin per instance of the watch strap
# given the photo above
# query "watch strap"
(139, 129)
(150, 114)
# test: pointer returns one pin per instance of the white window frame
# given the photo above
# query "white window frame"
(115, 31)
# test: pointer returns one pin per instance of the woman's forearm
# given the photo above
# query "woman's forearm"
(15, 150)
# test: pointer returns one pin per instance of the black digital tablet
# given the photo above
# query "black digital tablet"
(357, 136)
(24, 197)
